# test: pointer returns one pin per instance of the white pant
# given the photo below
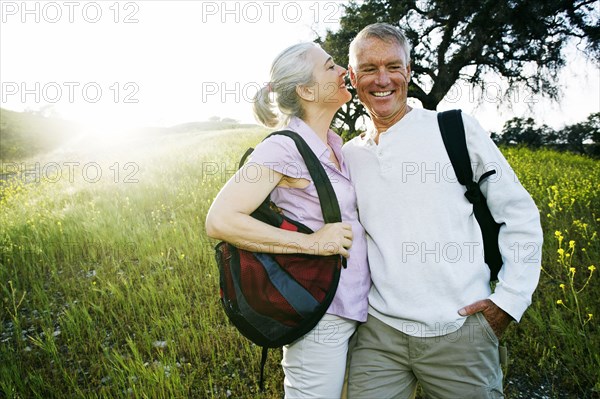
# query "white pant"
(314, 365)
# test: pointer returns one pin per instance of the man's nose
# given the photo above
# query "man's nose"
(383, 78)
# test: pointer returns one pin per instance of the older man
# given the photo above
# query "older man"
(433, 318)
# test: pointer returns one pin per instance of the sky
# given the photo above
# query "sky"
(161, 63)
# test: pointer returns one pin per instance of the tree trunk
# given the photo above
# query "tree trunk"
(429, 103)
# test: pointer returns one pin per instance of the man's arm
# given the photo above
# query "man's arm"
(520, 237)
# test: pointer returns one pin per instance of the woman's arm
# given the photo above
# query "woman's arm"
(229, 219)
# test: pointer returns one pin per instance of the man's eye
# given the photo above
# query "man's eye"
(332, 67)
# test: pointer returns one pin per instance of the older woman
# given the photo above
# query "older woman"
(308, 88)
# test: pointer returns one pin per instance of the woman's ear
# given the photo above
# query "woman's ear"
(306, 93)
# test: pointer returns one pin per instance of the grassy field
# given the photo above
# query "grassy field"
(109, 289)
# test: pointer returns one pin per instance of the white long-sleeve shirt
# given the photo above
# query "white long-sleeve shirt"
(424, 244)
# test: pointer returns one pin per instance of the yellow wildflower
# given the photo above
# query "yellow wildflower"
(559, 302)
(572, 270)
(591, 268)
(571, 244)
(557, 233)
(562, 286)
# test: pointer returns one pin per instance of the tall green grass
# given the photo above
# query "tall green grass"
(558, 340)
(110, 290)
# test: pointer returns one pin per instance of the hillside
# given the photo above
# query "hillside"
(27, 134)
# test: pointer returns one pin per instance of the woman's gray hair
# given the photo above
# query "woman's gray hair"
(381, 31)
(290, 69)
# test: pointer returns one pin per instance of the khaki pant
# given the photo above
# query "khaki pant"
(314, 365)
(386, 363)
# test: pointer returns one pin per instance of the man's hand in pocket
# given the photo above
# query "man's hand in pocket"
(496, 317)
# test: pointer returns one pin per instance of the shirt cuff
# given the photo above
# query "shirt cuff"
(510, 301)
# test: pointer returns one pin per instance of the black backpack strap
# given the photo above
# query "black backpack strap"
(244, 157)
(327, 198)
(263, 361)
(453, 135)
(329, 203)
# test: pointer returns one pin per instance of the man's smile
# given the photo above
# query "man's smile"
(382, 93)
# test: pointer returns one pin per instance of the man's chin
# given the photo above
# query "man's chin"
(381, 112)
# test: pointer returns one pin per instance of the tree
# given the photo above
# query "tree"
(230, 120)
(524, 132)
(520, 40)
(583, 137)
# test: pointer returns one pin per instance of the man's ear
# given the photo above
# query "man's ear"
(306, 93)
(352, 76)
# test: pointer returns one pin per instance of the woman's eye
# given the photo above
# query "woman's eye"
(332, 67)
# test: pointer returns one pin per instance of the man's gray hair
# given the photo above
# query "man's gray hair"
(381, 31)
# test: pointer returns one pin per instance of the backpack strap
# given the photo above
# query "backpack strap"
(330, 207)
(329, 203)
(244, 157)
(327, 198)
(263, 361)
(453, 135)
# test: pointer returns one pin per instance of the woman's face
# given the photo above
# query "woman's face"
(329, 89)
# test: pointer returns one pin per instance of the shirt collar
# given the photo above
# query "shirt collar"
(371, 132)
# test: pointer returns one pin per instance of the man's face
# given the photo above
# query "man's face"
(381, 76)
